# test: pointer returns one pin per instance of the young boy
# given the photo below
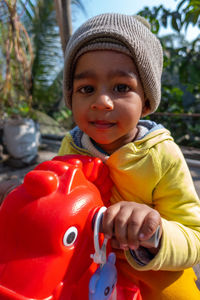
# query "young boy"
(112, 78)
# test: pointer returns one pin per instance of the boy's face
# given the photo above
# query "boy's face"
(107, 98)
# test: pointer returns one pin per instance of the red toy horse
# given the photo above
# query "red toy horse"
(46, 230)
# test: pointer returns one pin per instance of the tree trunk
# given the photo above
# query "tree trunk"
(63, 14)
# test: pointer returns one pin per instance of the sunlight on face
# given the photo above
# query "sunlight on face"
(107, 98)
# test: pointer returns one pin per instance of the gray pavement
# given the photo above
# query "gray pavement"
(195, 172)
(192, 156)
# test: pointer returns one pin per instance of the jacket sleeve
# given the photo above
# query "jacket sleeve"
(176, 200)
(65, 145)
(69, 147)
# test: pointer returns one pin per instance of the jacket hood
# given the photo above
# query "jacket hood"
(153, 134)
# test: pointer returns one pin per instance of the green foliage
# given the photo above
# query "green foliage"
(45, 76)
(181, 77)
(64, 118)
(41, 24)
(185, 130)
(62, 114)
(181, 72)
(187, 12)
(190, 12)
(40, 20)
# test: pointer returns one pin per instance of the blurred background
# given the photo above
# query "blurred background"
(33, 36)
(31, 58)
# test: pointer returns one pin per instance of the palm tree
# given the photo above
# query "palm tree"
(42, 21)
(64, 20)
(49, 35)
(63, 11)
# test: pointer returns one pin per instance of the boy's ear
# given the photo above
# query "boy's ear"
(146, 108)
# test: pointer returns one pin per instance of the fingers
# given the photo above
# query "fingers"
(130, 225)
(116, 245)
(108, 224)
(134, 226)
(150, 224)
(120, 222)
(121, 226)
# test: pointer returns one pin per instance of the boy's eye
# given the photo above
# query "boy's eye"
(121, 88)
(86, 89)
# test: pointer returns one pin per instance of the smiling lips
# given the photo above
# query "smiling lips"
(101, 124)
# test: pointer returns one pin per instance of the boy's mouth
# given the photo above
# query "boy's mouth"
(101, 124)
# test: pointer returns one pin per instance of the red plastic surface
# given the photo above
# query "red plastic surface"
(46, 235)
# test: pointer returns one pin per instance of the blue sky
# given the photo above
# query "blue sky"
(95, 7)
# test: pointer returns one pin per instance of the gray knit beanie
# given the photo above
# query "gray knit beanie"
(130, 35)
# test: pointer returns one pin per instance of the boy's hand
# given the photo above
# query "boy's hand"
(130, 224)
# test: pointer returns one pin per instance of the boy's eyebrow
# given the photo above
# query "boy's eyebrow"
(85, 74)
(115, 73)
(122, 73)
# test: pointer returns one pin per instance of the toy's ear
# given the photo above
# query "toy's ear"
(93, 282)
(39, 183)
(58, 167)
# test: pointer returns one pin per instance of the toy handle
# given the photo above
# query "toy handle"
(99, 256)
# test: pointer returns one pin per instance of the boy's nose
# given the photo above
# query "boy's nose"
(103, 102)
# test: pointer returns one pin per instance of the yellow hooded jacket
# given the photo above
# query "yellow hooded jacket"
(153, 171)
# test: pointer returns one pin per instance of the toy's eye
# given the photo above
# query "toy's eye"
(70, 236)
(106, 291)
